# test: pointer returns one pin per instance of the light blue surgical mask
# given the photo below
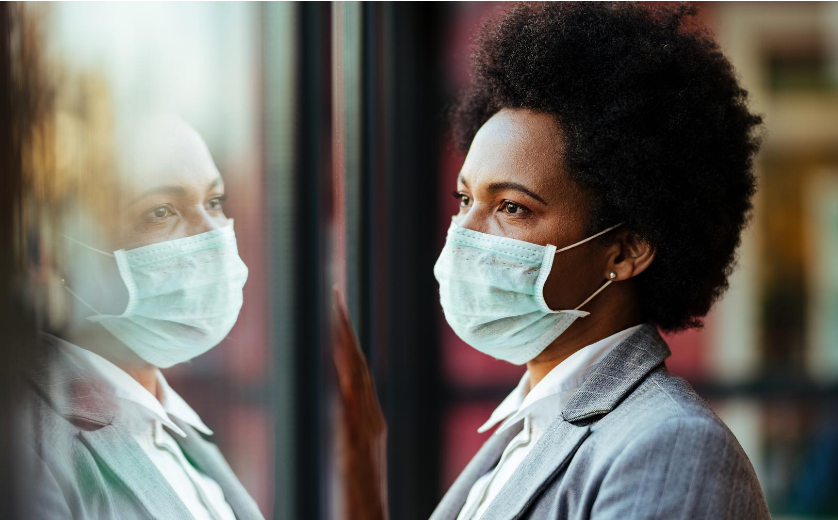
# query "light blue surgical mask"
(184, 296)
(492, 293)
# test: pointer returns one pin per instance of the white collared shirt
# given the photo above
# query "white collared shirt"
(144, 417)
(537, 408)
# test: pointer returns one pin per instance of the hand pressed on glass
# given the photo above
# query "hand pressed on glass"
(362, 432)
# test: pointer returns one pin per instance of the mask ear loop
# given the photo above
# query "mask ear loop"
(73, 240)
(79, 298)
(591, 297)
(606, 284)
(64, 282)
(571, 246)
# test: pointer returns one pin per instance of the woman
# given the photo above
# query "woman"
(152, 279)
(607, 181)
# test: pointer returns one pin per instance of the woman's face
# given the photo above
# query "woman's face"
(514, 184)
(168, 188)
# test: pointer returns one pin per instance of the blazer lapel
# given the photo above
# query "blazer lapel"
(617, 375)
(69, 392)
(485, 459)
(208, 458)
(549, 455)
(123, 456)
(620, 372)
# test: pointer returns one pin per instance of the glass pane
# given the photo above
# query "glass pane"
(145, 211)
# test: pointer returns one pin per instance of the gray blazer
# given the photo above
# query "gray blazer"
(633, 442)
(78, 462)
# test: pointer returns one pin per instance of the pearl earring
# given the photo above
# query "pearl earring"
(612, 275)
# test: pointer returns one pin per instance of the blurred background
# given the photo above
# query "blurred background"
(327, 122)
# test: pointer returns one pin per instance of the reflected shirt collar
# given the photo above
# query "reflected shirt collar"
(546, 399)
(137, 405)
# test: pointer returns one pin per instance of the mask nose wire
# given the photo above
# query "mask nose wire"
(571, 246)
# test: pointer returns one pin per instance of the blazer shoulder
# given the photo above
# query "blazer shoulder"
(686, 466)
(689, 462)
(660, 396)
(664, 409)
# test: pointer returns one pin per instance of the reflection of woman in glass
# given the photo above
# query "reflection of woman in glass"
(607, 182)
(156, 282)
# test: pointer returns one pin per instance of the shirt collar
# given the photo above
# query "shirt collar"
(510, 405)
(174, 405)
(545, 400)
(136, 401)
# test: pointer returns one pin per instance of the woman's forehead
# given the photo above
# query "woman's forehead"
(165, 151)
(518, 144)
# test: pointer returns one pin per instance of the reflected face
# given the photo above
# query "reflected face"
(170, 187)
(514, 184)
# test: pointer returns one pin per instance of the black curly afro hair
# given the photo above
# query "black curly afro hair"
(656, 128)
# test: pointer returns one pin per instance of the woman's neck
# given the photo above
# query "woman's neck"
(611, 314)
(99, 341)
(145, 375)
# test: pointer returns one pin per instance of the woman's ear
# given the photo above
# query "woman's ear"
(629, 256)
(51, 299)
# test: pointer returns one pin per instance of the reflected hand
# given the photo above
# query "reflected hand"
(362, 432)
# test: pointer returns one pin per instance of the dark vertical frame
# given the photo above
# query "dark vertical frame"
(401, 128)
(313, 281)
(389, 224)
(9, 185)
(17, 323)
(373, 313)
(297, 134)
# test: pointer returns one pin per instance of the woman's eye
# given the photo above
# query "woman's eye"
(159, 213)
(465, 200)
(215, 203)
(514, 209)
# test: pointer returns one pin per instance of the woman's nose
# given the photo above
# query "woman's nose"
(201, 221)
(475, 219)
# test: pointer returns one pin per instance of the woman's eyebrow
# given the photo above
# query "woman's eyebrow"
(508, 185)
(177, 191)
(173, 190)
(216, 182)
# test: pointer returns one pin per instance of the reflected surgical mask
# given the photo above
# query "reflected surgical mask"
(492, 293)
(184, 296)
